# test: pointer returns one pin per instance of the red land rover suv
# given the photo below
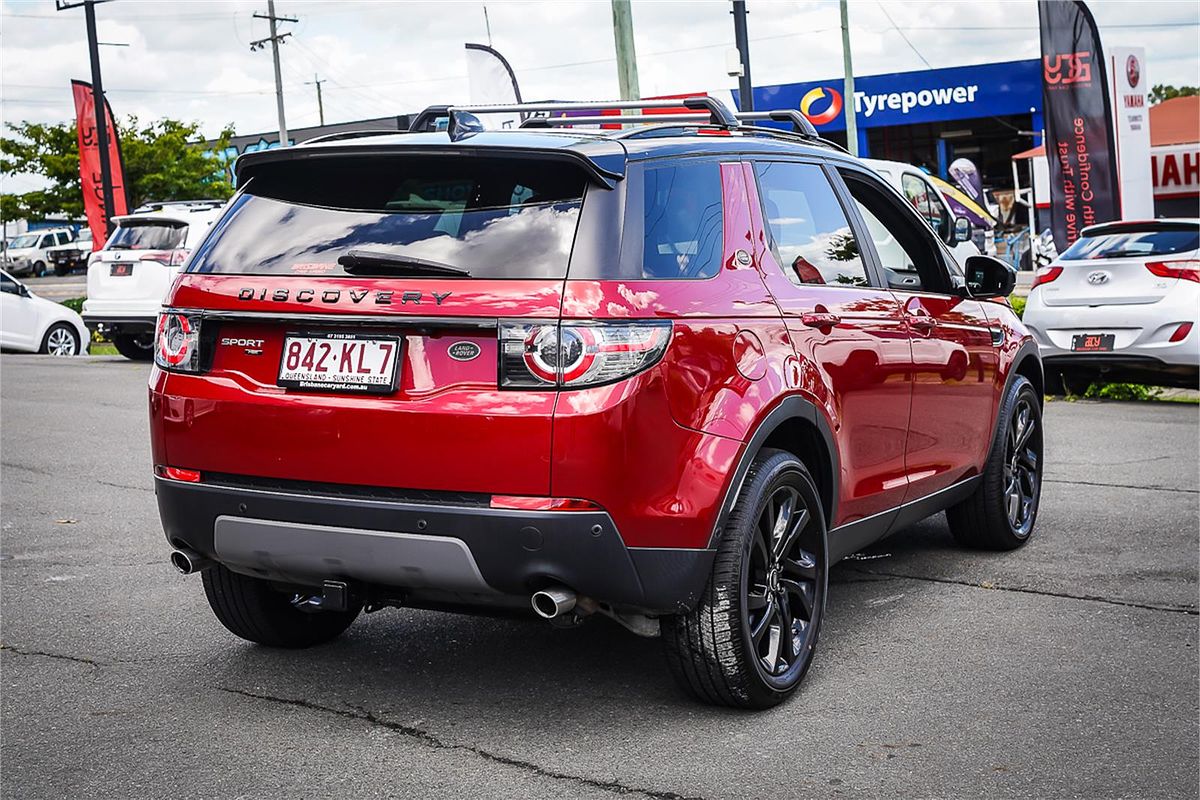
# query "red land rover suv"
(668, 373)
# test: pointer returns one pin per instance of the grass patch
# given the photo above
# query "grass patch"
(1122, 391)
(1018, 305)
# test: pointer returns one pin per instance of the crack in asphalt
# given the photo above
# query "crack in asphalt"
(1122, 486)
(430, 740)
(1190, 610)
(79, 660)
(126, 486)
(27, 468)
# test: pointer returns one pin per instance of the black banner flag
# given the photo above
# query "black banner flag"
(1084, 189)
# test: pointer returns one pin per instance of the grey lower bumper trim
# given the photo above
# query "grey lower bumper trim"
(299, 553)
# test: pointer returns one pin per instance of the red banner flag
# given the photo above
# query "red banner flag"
(89, 163)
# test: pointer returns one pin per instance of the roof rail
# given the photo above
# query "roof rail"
(463, 119)
(800, 123)
(333, 137)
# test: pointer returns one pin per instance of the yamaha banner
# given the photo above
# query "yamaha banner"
(1079, 133)
(89, 163)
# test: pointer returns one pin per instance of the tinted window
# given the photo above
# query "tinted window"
(131, 235)
(7, 284)
(683, 221)
(495, 218)
(811, 236)
(926, 202)
(1132, 242)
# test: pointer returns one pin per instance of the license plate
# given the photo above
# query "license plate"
(340, 362)
(1093, 342)
(120, 270)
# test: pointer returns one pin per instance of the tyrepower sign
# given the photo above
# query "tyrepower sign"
(906, 98)
(1176, 170)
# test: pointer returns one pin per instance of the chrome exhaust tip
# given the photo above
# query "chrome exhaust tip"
(189, 561)
(553, 602)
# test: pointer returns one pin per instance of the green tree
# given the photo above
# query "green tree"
(1162, 92)
(164, 160)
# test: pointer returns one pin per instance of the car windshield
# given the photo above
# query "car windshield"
(1132, 242)
(132, 235)
(23, 241)
(489, 217)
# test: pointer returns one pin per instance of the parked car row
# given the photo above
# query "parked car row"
(30, 253)
(33, 324)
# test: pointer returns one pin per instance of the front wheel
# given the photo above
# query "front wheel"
(255, 610)
(135, 346)
(61, 340)
(1001, 513)
(751, 638)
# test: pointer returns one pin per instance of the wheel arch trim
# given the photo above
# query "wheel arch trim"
(789, 408)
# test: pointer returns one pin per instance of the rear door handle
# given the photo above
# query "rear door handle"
(817, 319)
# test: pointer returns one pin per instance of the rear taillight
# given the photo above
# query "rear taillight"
(177, 342)
(1188, 270)
(1045, 275)
(573, 355)
(177, 474)
(170, 258)
(1181, 332)
(522, 503)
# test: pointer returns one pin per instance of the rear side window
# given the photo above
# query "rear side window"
(133, 235)
(1158, 239)
(492, 217)
(684, 226)
(812, 238)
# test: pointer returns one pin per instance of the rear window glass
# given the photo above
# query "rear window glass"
(146, 236)
(494, 218)
(683, 221)
(1134, 242)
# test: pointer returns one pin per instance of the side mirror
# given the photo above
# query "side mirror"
(988, 276)
(962, 230)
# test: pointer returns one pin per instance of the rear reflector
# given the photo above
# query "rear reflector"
(1045, 275)
(178, 474)
(519, 503)
(1188, 270)
(1181, 332)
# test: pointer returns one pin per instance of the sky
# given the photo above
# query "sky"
(191, 59)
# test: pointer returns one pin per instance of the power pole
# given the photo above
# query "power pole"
(320, 106)
(98, 102)
(745, 87)
(275, 38)
(848, 88)
(627, 75)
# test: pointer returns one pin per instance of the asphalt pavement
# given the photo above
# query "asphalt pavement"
(1066, 669)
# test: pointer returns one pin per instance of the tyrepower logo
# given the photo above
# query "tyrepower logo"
(1063, 69)
(812, 97)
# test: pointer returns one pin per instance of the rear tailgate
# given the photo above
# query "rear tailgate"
(1106, 282)
(446, 427)
(1123, 263)
(321, 270)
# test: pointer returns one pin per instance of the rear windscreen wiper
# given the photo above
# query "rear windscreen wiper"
(360, 262)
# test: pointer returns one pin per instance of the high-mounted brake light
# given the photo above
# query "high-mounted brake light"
(1187, 269)
(177, 342)
(578, 354)
(1045, 275)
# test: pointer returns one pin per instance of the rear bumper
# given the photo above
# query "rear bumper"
(1124, 368)
(119, 323)
(458, 554)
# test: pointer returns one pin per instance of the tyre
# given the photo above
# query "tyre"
(61, 269)
(39, 269)
(134, 346)
(254, 610)
(61, 340)
(1001, 513)
(751, 638)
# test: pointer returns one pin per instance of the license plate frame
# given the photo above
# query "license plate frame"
(387, 386)
(1093, 342)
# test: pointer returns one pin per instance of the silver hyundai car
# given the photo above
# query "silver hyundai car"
(1121, 304)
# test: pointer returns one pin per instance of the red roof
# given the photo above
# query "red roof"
(1175, 121)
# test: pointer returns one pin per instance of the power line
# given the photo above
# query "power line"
(902, 36)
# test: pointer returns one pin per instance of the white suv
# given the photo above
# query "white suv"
(129, 277)
(26, 254)
(1121, 304)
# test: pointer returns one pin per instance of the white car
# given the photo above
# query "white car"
(925, 196)
(36, 325)
(26, 254)
(1121, 304)
(128, 278)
